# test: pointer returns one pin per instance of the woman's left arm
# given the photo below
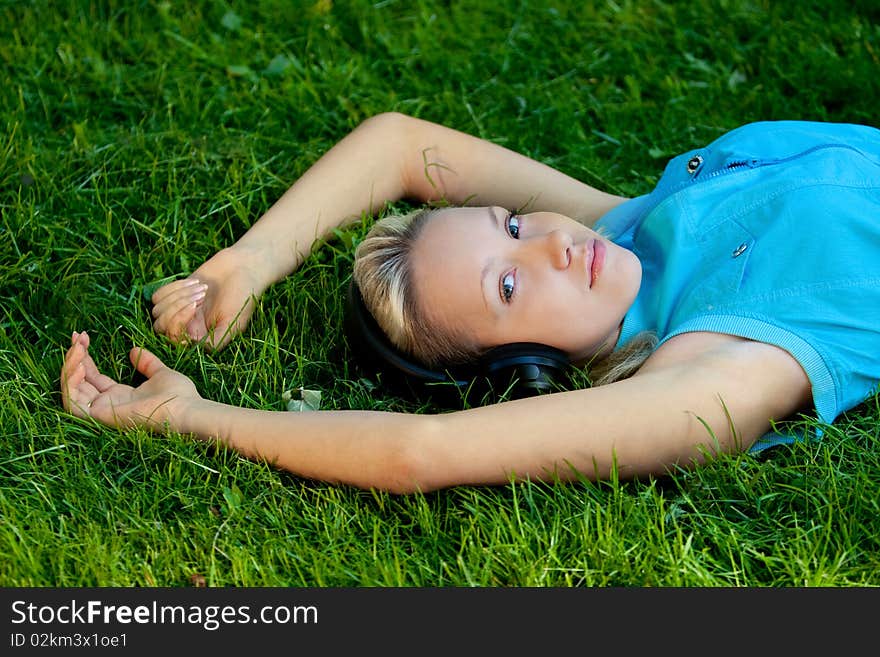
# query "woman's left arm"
(675, 411)
(672, 414)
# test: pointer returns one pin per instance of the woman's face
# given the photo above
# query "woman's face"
(494, 277)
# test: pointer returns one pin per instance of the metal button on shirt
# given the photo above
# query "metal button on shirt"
(694, 163)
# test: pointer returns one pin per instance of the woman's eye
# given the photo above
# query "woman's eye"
(513, 226)
(508, 281)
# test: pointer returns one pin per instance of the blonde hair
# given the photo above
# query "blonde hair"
(383, 273)
(623, 362)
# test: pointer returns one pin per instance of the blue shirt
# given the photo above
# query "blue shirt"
(772, 233)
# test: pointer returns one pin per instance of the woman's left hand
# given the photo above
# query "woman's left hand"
(159, 403)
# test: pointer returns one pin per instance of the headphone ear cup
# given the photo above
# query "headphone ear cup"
(526, 368)
(519, 369)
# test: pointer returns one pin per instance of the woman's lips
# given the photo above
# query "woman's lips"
(597, 262)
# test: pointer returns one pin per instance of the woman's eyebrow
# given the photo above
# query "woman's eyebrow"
(488, 266)
(492, 216)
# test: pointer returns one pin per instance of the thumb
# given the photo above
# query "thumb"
(221, 335)
(196, 329)
(146, 362)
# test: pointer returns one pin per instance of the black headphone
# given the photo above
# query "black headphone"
(520, 369)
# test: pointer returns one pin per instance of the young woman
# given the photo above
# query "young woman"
(743, 290)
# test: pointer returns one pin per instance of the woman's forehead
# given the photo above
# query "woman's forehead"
(455, 227)
(448, 260)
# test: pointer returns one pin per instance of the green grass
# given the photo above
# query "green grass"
(140, 137)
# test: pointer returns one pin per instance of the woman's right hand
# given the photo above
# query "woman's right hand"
(213, 304)
(160, 403)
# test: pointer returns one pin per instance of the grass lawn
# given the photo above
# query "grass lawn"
(138, 138)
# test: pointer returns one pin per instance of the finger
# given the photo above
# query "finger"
(77, 393)
(172, 303)
(173, 324)
(223, 332)
(72, 374)
(73, 399)
(189, 323)
(189, 293)
(72, 358)
(196, 329)
(172, 288)
(81, 383)
(146, 362)
(85, 395)
(101, 382)
(93, 376)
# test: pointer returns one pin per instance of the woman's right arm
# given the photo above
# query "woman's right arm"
(387, 158)
(393, 156)
(674, 412)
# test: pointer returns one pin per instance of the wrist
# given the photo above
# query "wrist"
(191, 416)
(262, 261)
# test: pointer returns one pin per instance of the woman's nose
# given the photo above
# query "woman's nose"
(556, 245)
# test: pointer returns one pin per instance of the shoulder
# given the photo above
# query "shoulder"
(770, 371)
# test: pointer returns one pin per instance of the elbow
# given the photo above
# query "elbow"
(389, 124)
(410, 467)
(389, 117)
(404, 140)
